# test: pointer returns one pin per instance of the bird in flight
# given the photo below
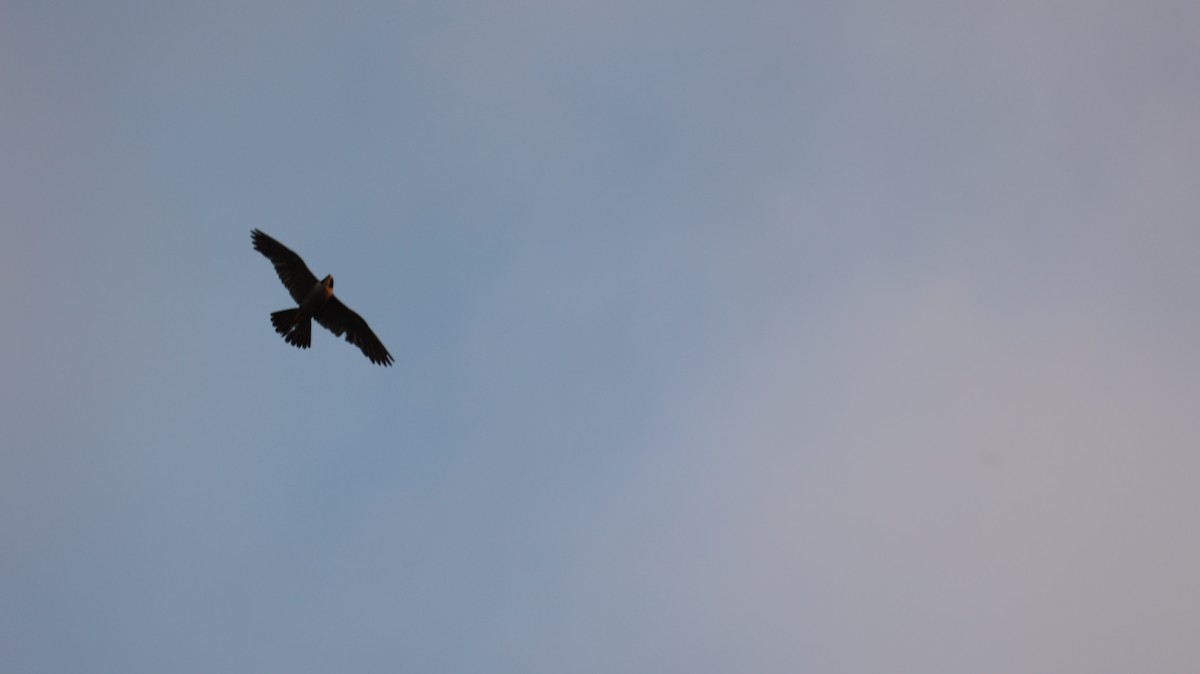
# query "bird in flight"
(316, 301)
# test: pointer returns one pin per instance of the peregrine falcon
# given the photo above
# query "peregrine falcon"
(316, 301)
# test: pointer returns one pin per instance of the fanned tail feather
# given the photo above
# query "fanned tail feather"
(295, 332)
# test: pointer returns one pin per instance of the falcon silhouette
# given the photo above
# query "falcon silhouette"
(316, 301)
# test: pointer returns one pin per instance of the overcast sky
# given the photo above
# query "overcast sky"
(751, 336)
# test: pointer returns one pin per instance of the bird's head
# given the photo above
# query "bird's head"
(328, 281)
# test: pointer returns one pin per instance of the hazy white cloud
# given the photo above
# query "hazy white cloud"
(934, 487)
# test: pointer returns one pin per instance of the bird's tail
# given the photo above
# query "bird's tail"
(295, 331)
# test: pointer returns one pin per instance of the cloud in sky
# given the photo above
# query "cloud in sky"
(777, 337)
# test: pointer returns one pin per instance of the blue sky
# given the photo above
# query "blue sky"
(729, 337)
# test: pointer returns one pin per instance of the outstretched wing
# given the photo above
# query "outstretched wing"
(338, 318)
(291, 269)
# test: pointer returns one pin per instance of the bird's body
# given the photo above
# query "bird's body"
(317, 298)
(315, 301)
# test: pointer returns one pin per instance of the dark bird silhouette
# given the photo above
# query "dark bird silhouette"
(316, 301)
